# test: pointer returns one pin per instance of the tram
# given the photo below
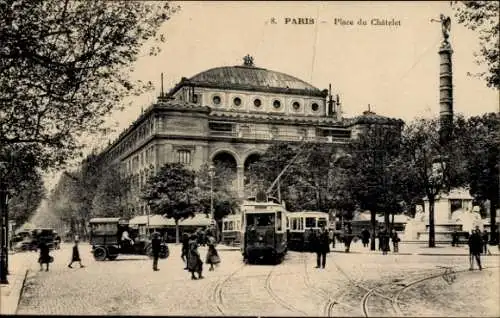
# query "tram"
(263, 229)
(231, 229)
(300, 226)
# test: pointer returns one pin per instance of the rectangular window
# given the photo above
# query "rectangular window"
(310, 222)
(184, 156)
(278, 222)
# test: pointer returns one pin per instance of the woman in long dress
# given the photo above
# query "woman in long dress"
(194, 263)
(212, 254)
(45, 257)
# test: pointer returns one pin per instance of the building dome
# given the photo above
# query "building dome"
(250, 78)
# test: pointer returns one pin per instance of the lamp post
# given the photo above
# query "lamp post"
(5, 224)
(211, 173)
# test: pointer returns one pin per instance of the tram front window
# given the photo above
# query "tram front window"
(261, 219)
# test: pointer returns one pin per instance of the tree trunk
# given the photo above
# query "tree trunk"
(386, 220)
(177, 238)
(372, 241)
(392, 223)
(432, 239)
(493, 224)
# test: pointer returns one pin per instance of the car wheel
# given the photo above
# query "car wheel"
(149, 250)
(100, 254)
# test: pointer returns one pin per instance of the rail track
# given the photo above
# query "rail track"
(217, 296)
(395, 300)
(276, 298)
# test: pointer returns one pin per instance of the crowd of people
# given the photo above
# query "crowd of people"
(320, 243)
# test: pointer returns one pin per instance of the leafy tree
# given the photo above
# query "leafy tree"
(482, 151)
(23, 205)
(224, 198)
(173, 193)
(64, 65)
(109, 199)
(482, 17)
(374, 179)
(432, 167)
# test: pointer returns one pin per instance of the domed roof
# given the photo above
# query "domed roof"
(252, 78)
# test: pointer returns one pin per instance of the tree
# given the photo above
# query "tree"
(109, 199)
(64, 65)
(482, 17)
(432, 167)
(173, 193)
(224, 198)
(482, 151)
(374, 179)
(305, 185)
(25, 202)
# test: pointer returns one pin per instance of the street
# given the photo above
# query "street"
(351, 285)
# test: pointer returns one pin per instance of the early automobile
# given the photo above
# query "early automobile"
(110, 237)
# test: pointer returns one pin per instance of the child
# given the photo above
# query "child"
(212, 255)
(75, 256)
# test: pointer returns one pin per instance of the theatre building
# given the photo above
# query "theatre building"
(230, 114)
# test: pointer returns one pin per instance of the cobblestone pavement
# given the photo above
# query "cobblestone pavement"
(351, 285)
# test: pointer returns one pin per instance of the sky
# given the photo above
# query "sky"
(395, 69)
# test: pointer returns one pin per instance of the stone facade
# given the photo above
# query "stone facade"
(231, 114)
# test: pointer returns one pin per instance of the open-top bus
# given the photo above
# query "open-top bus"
(300, 226)
(263, 229)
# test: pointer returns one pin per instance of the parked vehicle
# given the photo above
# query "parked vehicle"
(29, 240)
(106, 240)
(264, 229)
(301, 225)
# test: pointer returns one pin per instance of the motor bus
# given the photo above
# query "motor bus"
(300, 226)
(263, 228)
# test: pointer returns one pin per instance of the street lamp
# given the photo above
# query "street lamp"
(5, 224)
(211, 173)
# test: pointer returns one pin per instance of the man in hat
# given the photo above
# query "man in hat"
(156, 247)
(475, 248)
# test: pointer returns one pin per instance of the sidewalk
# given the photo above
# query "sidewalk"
(11, 293)
(414, 249)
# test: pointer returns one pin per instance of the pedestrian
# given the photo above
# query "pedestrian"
(45, 257)
(475, 248)
(331, 236)
(384, 241)
(380, 239)
(454, 238)
(322, 247)
(365, 237)
(194, 263)
(395, 242)
(75, 256)
(212, 254)
(156, 247)
(348, 237)
(185, 248)
(485, 242)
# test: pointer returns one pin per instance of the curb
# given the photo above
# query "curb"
(21, 291)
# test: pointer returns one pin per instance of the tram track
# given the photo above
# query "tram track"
(330, 301)
(278, 299)
(395, 299)
(217, 293)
